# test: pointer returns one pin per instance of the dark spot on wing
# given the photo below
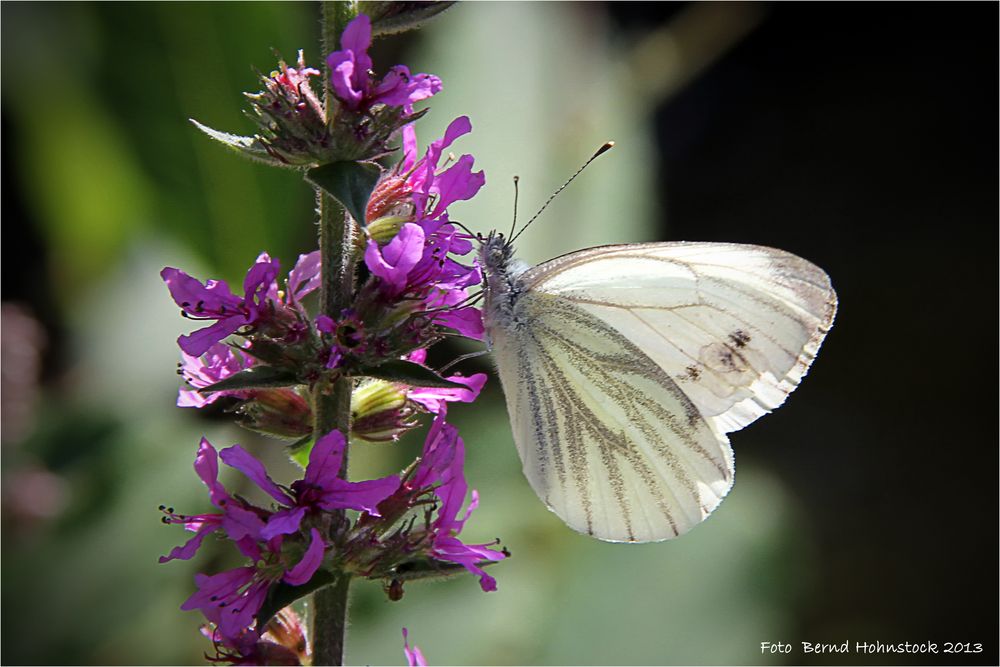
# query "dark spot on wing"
(692, 373)
(739, 338)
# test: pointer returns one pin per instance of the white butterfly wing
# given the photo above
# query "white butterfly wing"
(607, 439)
(633, 362)
(737, 326)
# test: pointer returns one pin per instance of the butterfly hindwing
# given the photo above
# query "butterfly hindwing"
(607, 438)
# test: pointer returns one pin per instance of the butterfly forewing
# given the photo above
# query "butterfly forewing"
(735, 326)
(607, 438)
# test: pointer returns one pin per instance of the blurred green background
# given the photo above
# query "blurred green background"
(862, 137)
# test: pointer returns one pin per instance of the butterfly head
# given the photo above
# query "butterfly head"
(495, 253)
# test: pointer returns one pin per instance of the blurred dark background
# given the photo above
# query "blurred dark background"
(861, 136)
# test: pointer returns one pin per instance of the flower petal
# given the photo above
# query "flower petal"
(393, 262)
(304, 277)
(239, 458)
(325, 459)
(206, 466)
(466, 321)
(310, 562)
(284, 522)
(433, 397)
(200, 341)
(362, 496)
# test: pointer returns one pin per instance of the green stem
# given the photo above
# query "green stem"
(332, 404)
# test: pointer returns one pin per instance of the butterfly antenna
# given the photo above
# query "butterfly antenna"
(513, 225)
(600, 151)
(462, 227)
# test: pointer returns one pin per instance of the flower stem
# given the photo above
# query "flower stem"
(332, 404)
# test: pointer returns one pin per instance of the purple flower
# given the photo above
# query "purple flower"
(351, 77)
(442, 464)
(414, 657)
(262, 302)
(319, 490)
(418, 262)
(218, 363)
(240, 521)
(232, 599)
(214, 300)
(433, 189)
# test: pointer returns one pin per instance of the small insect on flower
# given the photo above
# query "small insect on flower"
(625, 366)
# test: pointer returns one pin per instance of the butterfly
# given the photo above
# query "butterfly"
(625, 366)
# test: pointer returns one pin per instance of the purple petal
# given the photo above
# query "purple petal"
(260, 278)
(199, 342)
(304, 277)
(457, 128)
(457, 182)
(206, 466)
(466, 321)
(285, 522)
(393, 262)
(357, 38)
(362, 496)
(431, 398)
(239, 458)
(325, 459)
(452, 490)
(189, 293)
(409, 148)
(241, 615)
(216, 587)
(438, 454)
(189, 548)
(325, 324)
(468, 556)
(399, 89)
(414, 658)
(240, 523)
(422, 178)
(342, 67)
(218, 363)
(310, 562)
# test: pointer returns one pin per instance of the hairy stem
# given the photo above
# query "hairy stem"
(332, 404)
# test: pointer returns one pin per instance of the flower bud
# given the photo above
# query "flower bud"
(287, 631)
(380, 412)
(392, 196)
(280, 412)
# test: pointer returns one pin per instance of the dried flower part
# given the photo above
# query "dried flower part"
(290, 118)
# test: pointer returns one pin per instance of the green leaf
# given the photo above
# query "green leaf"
(299, 450)
(407, 372)
(258, 377)
(393, 17)
(249, 147)
(350, 183)
(282, 595)
(427, 568)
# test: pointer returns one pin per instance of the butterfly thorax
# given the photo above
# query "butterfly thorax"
(502, 281)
